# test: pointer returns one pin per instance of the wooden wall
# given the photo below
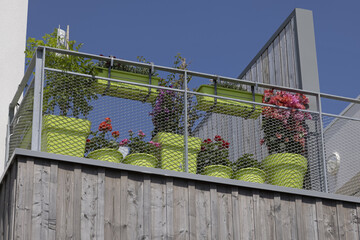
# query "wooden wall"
(48, 199)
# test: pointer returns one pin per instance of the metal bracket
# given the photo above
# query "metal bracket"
(253, 88)
(151, 72)
(215, 92)
(109, 75)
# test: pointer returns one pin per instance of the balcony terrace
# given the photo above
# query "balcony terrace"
(54, 186)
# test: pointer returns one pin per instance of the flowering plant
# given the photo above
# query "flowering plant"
(138, 145)
(103, 138)
(285, 130)
(213, 152)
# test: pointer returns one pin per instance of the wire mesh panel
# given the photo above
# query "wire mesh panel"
(341, 137)
(21, 125)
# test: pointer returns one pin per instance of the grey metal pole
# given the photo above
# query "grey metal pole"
(186, 125)
(37, 109)
(318, 100)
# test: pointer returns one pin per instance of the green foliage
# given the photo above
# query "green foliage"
(213, 152)
(169, 107)
(246, 161)
(65, 93)
(230, 85)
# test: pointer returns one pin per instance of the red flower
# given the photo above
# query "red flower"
(105, 126)
(226, 144)
(108, 120)
(87, 140)
(217, 138)
(115, 134)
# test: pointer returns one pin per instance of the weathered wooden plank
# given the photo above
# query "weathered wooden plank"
(309, 218)
(299, 217)
(21, 211)
(349, 220)
(330, 220)
(290, 49)
(77, 200)
(277, 61)
(135, 201)
(123, 204)
(89, 203)
(52, 199)
(203, 214)
(214, 210)
(192, 210)
(295, 55)
(320, 218)
(288, 217)
(271, 58)
(266, 203)
(247, 214)
(110, 204)
(64, 202)
(181, 209)
(265, 67)
(169, 208)
(225, 212)
(235, 200)
(2, 216)
(40, 208)
(100, 204)
(26, 200)
(340, 220)
(158, 208)
(147, 207)
(283, 56)
(6, 206)
(13, 184)
(277, 215)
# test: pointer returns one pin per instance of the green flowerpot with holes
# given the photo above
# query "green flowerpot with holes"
(218, 171)
(106, 154)
(250, 175)
(172, 151)
(229, 107)
(285, 169)
(64, 135)
(141, 159)
(126, 90)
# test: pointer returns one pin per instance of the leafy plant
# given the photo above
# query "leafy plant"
(65, 93)
(230, 85)
(246, 161)
(103, 138)
(213, 152)
(285, 130)
(168, 110)
(138, 145)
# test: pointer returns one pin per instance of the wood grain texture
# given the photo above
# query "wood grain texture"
(169, 208)
(203, 211)
(330, 220)
(225, 223)
(192, 210)
(310, 227)
(288, 216)
(247, 214)
(158, 210)
(52, 199)
(181, 209)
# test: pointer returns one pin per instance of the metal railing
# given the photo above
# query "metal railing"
(155, 120)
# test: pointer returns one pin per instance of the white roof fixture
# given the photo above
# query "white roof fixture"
(333, 163)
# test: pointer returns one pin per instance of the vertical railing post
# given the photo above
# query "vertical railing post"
(38, 96)
(322, 142)
(186, 159)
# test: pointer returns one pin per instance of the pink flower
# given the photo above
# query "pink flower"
(115, 134)
(262, 141)
(124, 142)
(141, 133)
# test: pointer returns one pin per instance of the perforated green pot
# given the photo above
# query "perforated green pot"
(285, 169)
(141, 159)
(172, 151)
(64, 135)
(250, 175)
(218, 171)
(106, 154)
(125, 90)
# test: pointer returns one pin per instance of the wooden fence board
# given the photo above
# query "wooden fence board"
(225, 223)
(309, 219)
(330, 220)
(203, 220)
(52, 199)
(181, 209)
(158, 210)
(169, 209)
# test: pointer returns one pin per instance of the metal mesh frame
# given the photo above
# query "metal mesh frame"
(187, 131)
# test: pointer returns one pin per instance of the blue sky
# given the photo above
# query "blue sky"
(219, 37)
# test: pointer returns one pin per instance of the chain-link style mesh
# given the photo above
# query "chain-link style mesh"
(21, 125)
(342, 152)
(144, 125)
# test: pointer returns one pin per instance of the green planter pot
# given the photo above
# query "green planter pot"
(106, 154)
(250, 175)
(125, 90)
(229, 107)
(172, 151)
(285, 169)
(141, 159)
(64, 135)
(218, 171)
